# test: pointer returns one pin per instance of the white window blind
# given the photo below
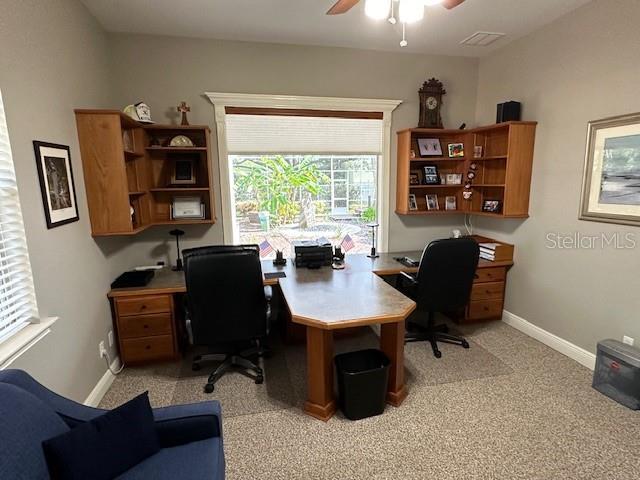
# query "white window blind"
(18, 305)
(263, 134)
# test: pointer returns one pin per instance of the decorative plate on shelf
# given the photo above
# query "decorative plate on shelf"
(181, 141)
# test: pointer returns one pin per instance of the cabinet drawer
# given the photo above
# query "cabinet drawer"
(135, 350)
(485, 309)
(144, 305)
(145, 325)
(487, 291)
(496, 274)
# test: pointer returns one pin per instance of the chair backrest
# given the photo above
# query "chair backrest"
(446, 274)
(225, 293)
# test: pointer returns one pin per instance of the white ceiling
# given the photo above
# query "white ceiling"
(303, 22)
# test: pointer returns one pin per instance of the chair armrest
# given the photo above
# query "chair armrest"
(181, 424)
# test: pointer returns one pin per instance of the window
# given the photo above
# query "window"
(18, 306)
(303, 178)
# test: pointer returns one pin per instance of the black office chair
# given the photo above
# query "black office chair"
(227, 310)
(443, 284)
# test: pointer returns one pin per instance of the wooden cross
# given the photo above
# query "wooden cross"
(184, 108)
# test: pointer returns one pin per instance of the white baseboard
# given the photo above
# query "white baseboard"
(561, 345)
(101, 388)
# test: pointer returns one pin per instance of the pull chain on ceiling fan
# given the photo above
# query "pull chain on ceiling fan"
(409, 11)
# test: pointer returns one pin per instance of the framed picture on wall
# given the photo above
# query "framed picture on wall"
(56, 183)
(611, 181)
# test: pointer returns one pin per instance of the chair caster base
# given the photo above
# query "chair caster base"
(259, 380)
(465, 344)
(437, 354)
(208, 388)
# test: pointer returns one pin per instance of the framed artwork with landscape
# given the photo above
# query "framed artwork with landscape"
(56, 183)
(611, 182)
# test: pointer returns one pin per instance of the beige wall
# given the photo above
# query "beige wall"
(54, 58)
(582, 67)
(163, 71)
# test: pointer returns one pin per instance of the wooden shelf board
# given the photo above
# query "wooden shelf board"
(180, 189)
(498, 185)
(157, 126)
(121, 234)
(435, 186)
(129, 155)
(492, 157)
(186, 221)
(430, 212)
(438, 159)
(176, 149)
(125, 120)
(136, 194)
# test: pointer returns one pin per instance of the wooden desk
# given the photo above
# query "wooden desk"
(321, 300)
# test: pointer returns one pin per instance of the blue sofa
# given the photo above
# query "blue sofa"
(190, 435)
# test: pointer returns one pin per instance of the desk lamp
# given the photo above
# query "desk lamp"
(373, 253)
(177, 233)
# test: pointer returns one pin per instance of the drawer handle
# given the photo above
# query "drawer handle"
(145, 326)
(486, 309)
(143, 307)
(148, 347)
(476, 276)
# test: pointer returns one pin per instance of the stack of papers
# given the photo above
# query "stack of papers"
(488, 251)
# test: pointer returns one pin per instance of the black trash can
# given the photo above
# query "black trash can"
(362, 383)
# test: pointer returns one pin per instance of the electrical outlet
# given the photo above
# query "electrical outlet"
(628, 340)
(101, 350)
(110, 338)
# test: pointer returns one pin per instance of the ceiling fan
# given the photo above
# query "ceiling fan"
(409, 11)
(343, 6)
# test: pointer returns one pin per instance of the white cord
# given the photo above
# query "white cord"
(108, 360)
(467, 224)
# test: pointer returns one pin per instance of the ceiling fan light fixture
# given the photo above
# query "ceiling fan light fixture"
(411, 11)
(377, 9)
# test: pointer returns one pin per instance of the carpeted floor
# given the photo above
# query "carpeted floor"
(508, 408)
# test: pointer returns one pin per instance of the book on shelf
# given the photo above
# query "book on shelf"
(496, 251)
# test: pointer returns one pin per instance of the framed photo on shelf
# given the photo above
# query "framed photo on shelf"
(432, 202)
(450, 203)
(456, 150)
(187, 207)
(454, 178)
(183, 172)
(414, 177)
(413, 203)
(430, 147)
(492, 206)
(610, 187)
(431, 176)
(477, 151)
(56, 183)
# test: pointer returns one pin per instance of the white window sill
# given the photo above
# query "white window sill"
(12, 348)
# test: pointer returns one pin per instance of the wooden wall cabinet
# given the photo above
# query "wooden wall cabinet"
(503, 172)
(128, 165)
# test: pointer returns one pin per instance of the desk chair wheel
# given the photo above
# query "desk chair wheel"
(259, 379)
(208, 388)
(437, 353)
(465, 344)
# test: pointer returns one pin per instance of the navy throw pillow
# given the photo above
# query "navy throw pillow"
(106, 446)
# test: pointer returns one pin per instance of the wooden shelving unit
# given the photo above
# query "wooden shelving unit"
(502, 173)
(127, 165)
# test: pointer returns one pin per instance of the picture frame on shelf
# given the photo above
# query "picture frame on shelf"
(432, 202)
(413, 203)
(414, 177)
(454, 178)
(57, 186)
(477, 151)
(429, 147)
(456, 150)
(187, 208)
(431, 176)
(450, 203)
(183, 172)
(610, 191)
(492, 206)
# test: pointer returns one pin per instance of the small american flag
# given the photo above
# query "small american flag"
(347, 243)
(265, 248)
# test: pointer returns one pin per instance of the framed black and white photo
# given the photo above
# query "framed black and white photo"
(454, 178)
(432, 202)
(414, 177)
(450, 203)
(611, 182)
(56, 183)
(413, 203)
(492, 206)
(431, 176)
(183, 172)
(430, 147)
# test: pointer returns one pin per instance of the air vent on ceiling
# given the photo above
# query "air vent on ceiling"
(482, 39)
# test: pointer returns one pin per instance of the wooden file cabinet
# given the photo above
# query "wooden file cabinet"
(487, 295)
(146, 328)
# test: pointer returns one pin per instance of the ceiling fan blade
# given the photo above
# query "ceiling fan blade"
(342, 6)
(449, 4)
